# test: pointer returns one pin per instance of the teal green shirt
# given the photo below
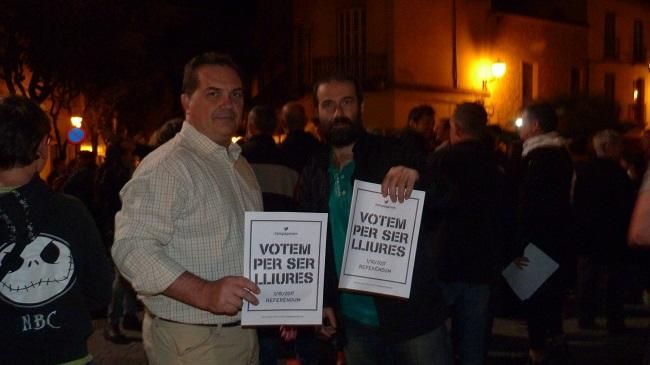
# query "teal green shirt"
(360, 308)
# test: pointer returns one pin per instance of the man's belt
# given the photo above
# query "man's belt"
(225, 325)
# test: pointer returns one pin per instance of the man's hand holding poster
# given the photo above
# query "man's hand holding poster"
(285, 256)
(381, 242)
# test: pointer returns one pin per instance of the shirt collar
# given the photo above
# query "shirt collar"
(200, 143)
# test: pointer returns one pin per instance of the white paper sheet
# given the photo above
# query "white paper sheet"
(525, 282)
(381, 242)
(285, 256)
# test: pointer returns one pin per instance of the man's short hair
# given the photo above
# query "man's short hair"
(265, 121)
(471, 118)
(339, 77)
(190, 78)
(604, 138)
(419, 112)
(545, 115)
(295, 117)
(23, 125)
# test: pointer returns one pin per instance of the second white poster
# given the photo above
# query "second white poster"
(381, 242)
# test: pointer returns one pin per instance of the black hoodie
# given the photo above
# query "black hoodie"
(53, 272)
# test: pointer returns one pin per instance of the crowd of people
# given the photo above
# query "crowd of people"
(174, 229)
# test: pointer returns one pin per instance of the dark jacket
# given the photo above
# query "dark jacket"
(275, 178)
(298, 148)
(110, 180)
(469, 213)
(59, 276)
(411, 137)
(545, 203)
(262, 149)
(399, 319)
(603, 199)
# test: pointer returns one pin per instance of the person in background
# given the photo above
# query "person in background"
(81, 182)
(545, 217)
(166, 132)
(53, 267)
(419, 128)
(58, 175)
(470, 219)
(441, 130)
(299, 146)
(111, 177)
(603, 200)
(276, 179)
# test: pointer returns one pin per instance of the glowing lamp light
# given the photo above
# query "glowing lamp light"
(484, 72)
(519, 122)
(498, 69)
(235, 139)
(636, 94)
(489, 72)
(76, 121)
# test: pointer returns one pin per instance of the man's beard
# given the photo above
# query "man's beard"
(343, 132)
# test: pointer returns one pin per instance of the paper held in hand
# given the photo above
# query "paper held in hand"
(525, 281)
(284, 254)
(381, 242)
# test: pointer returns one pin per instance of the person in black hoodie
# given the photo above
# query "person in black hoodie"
(53, 267)
(378, 329)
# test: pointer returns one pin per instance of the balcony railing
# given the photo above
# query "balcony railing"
(371, 70)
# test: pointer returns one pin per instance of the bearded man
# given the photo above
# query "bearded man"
(378, 330)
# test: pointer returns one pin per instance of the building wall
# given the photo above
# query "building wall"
(423, 56)
(422, 42)
(423, 53)
(552, 48)
(417, 37)
(623, 67)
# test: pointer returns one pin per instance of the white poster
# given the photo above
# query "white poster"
(525, 281)
(381, 242)
(284, 255)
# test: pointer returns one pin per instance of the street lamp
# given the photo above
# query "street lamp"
(497, 70)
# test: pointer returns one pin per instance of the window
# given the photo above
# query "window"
(610, 36)
(610, 85)
(351, 41)
(638, 49)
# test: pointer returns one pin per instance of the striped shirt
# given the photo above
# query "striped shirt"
(183, 210)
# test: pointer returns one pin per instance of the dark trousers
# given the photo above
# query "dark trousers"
(544, 313)
(592, 277)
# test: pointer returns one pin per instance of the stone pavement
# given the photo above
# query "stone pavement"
(508, 347)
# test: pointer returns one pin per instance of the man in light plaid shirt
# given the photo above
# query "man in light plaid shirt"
(179, 236)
